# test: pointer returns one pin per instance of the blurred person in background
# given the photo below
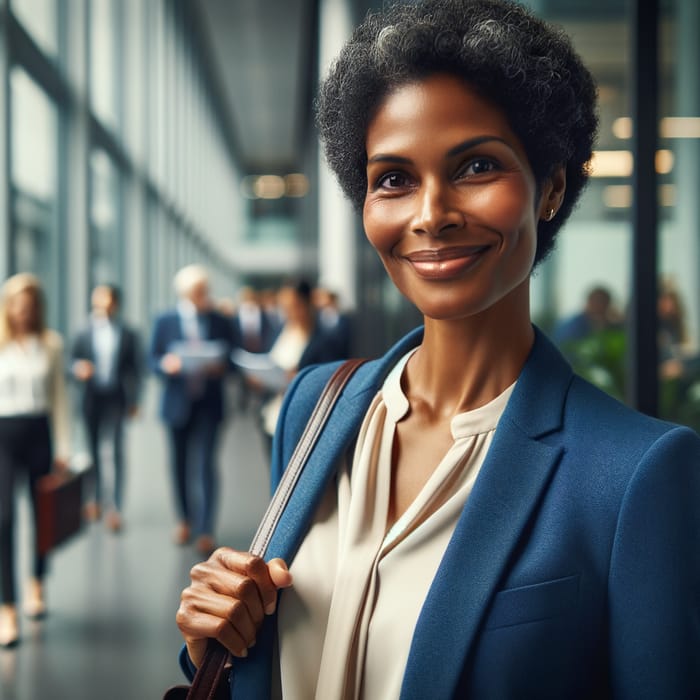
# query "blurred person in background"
(336, 323)
(673, 335)
(679, 361)
(598, 314)
(190, 349)
(34, 430)
(301, 341)
(253, 329)
(106, 360)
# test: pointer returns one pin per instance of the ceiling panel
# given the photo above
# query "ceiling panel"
(261, 54)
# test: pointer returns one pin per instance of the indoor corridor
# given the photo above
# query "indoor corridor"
(110, 633)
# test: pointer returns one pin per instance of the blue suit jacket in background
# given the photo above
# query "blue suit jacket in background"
(176, 400)
(574, 570)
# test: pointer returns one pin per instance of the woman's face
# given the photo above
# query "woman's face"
(22, 312)
(450, 204)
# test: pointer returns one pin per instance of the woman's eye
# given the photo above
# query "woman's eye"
(392, 181)
(477, 167)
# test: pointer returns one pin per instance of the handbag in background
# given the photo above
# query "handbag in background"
(59, 512)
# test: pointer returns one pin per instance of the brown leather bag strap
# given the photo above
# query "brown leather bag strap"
(313, 428)
(209, 682)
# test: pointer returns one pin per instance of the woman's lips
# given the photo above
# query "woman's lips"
(445, 263)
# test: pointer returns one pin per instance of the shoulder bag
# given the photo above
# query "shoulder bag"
(211, 679)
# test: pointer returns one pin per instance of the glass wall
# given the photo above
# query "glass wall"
(104, 69)
(582, 293)
(118, 169)
(35, 245)
(40, 19)
(679, 242)
(106, 241)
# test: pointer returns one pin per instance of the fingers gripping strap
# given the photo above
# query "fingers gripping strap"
(208, 683)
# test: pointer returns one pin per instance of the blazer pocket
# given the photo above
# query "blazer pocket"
(540, 601)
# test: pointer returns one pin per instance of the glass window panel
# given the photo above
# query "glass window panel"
(39, 18)
(106, 241)
(33, 172)
(581, 291)
(104, 76)
(34, 125)
(679, 215)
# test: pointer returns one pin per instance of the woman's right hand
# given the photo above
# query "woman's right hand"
(229, 595)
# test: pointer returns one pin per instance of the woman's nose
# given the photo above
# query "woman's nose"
(436, 210)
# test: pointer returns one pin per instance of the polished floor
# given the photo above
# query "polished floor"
(111, 634)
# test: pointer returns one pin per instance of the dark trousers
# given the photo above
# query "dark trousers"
(194, 472)
(105, 424)
(25, 453)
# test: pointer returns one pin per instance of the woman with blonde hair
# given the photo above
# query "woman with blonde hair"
(33, 428)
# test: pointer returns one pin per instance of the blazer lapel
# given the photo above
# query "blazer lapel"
(252, 679)
(513, 477)
(338, 433)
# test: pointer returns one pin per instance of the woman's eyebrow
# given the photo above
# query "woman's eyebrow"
(387, 158)
(470, 143)
(454, 151)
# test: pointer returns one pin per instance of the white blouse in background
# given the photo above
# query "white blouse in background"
(32, 383)
(346, 624)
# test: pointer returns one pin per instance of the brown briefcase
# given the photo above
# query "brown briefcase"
(59, 508)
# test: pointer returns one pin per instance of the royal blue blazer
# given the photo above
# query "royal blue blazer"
(574, 570)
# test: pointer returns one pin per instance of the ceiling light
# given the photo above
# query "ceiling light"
(664, 161)
(296, 185)
(669, 128)
(269, 187)
(620, 196)
(611, 164)
(622, 128)
(680, 127)
(617, 196)
(621, 163)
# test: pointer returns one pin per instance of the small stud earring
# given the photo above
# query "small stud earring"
(550, 214)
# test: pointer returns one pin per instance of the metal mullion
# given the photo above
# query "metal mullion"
(5, 155)
(643, 390)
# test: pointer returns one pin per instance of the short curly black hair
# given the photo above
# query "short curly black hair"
(526, 67)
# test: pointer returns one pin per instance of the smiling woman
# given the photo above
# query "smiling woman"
(452, 199)
(475, 520)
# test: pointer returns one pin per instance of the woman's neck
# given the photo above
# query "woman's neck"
(464, 364)
(23, 335)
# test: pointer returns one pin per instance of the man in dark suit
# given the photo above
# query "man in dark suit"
(253, 329)
(190, 351)
(106, 360)
(336, 324)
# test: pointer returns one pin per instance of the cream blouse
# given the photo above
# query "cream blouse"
(32, 383)
(346, 624)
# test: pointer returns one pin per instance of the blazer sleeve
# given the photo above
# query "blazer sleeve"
(158, 347)
(134, 362)
(58, 406)
(80, 348)
(654, 584)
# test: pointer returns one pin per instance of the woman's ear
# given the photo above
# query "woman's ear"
(553, 193)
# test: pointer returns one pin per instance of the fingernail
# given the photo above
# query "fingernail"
(270, 608)
(243, 653)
